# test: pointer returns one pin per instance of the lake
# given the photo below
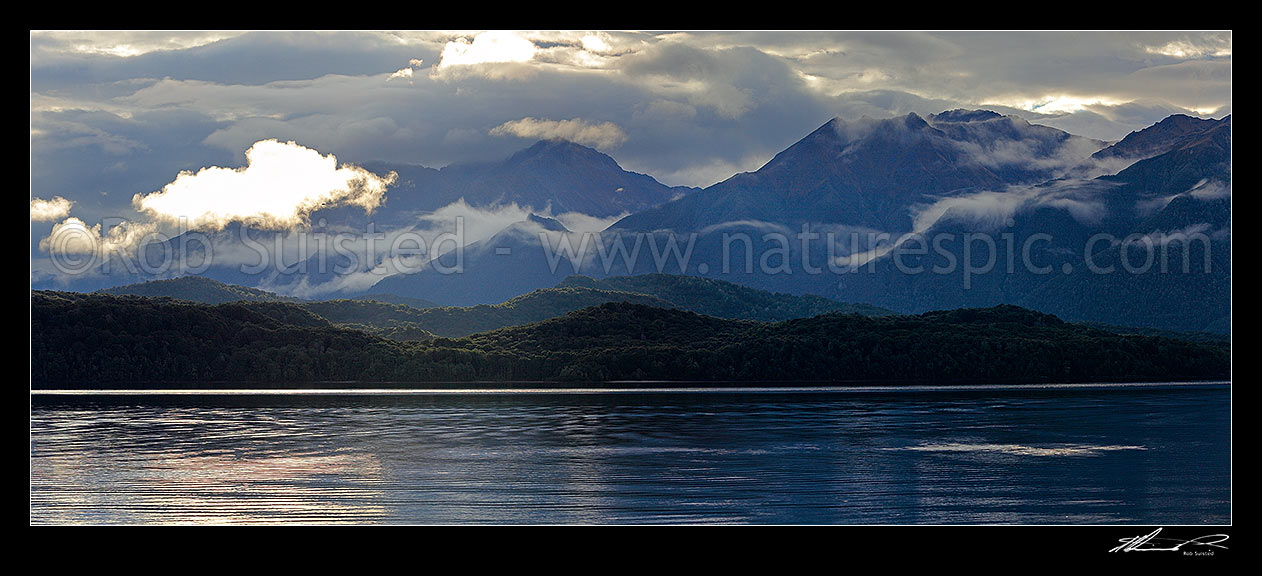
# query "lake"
(1147, 454)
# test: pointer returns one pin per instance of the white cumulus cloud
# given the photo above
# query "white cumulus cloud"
(281, 183)
(49, 210)
(486, 48)
(603, 135)
(73, 236)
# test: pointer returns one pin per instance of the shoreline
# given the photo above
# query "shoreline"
(657, 387)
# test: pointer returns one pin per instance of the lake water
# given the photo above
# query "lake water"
(1068, 455)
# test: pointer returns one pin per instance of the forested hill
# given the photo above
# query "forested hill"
(95, 340)
(400, 318)
(91, 339)
(197, 289)
(724, 299)
(211, 291)
(1000, 344)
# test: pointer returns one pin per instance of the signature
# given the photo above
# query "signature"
(1151, 543)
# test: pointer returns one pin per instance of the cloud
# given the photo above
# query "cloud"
(434, 234)
(1184, 236)
(487, 48)
(406, 72)
(479, 223)
(49, 210)
(992, 210)
(281, 183)
(1060, 103)
(342, 284)
(1017, 143)
(731, 81)
(604, 135)
(1210, 190)
(595, 43)
(1205, 190)
(1212, 46)
(123, 44)
(580, 223)
(82, 62)
(1084, 211)
(988, 209)
(73, 236)
(757, 225)
(709, 172)
(60, 131)
(696, 107)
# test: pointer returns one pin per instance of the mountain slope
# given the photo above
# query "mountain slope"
(846, 176)
(552, 174)
(1170, 133)
(1028, 193)
(1012, 243)
(1175, 271)
(197, 289)
(512, 262)
(869, 173)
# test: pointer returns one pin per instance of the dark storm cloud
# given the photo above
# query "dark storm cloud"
(732, 99)
(251, 58)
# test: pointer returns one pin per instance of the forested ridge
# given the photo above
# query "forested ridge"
(723, 299)
(197, 289)
(455, 321)
(400, 318)
(94, 340)
(396, 317)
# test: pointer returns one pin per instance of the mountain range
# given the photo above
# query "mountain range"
(1049, 207)
(861, 211)
(871, 173)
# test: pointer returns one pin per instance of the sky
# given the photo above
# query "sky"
(125, 124)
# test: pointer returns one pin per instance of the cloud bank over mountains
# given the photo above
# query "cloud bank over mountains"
(134, 132)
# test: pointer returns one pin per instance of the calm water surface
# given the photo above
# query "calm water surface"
(1127, 455)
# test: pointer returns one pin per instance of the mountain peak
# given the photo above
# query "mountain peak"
(557, 144)
(567, 176)
(1179, 119)
(548, 223)
(557, 150)
(963, 115)
(913, 121)
(871, 172)
(849, 131)
(1168, 134)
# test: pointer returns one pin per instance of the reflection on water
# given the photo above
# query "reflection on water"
(1126, 455)
(1020, 450)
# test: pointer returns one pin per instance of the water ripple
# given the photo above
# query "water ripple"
(1049, 456)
